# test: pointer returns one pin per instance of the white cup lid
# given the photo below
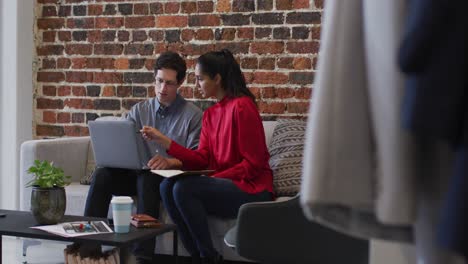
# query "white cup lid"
(122, 199)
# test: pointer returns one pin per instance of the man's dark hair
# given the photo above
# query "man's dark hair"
(173, 61)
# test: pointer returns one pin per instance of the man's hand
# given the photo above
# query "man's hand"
(151, 133)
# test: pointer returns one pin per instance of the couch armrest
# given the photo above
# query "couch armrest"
(68, 153)
(278, 232)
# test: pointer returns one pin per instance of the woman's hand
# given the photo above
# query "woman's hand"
(159, 162)
(151, 133)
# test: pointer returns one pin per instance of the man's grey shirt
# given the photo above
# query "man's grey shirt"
(181, 121)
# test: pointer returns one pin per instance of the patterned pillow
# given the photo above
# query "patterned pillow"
(90, 166)
(286, 149)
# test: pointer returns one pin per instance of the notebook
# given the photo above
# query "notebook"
(118, 144)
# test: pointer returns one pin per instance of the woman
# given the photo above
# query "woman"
(232, 143)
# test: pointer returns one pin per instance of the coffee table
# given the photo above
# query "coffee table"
(18, 223)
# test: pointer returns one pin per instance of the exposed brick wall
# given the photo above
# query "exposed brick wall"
(95, 58)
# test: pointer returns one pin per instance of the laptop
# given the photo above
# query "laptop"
(118, 144)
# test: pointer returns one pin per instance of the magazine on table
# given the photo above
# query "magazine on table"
(74, 229)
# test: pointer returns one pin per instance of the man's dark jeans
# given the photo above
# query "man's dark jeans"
(111, 181)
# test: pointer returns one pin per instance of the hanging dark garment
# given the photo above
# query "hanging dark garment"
(434, 56)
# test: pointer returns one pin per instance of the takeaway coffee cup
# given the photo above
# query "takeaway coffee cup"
(122, 213)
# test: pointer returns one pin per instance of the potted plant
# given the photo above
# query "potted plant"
(48, 200)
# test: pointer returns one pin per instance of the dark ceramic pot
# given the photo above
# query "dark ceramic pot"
(48, 204)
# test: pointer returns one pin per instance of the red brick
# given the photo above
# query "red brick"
(79, 77)
(108, 49)
(298, 107)
(156, 8)
(78, 118)
(63, 118)
(50, 77)
(141, 9)
(303, 47)
(79, 91)
(100, 63)
(95, 10)
(64, 91)
(50, 23)
(267, 47)
(124, 91)
(49, 90)
(128, 103)
(204, 34)
(284, 4)
(268, 92)
(54, 131)
(78, 63)
(285, 63)
(223, 6)
(189, 7)
(245, 33)
(139, 22)
(271, 108)
(171, 8)
(187, 34)
(156, 35)
(81, 23)
(94, 36)
(121, 64)
(63, 63)
(80, 49)
(50, 50)
(284, 93)
(302, 63)
(171, 21)
(270, 78)
(44, 103)
(142, 49)
(76, 131)
(267, 63)
(243, 5)
(205, 6)
(300, 4)
(108, 77)
(49, 117)
(109, 22)
(48, 36)
(108, 91)
(303, 93)
(79, 103)
(48, 64)
(249, 63)
(316, 33)
(204, 20)
(64, 35)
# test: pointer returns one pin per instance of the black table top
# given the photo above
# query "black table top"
(18, 223)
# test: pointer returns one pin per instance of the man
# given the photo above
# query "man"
(170, 113)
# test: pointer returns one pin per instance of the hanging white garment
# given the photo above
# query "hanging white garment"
(354, 142)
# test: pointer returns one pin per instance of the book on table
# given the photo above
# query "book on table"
(144, 221)
(172, 173)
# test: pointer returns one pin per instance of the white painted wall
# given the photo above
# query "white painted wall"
(16, 92)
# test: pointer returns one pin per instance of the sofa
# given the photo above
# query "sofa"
(72, 154)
